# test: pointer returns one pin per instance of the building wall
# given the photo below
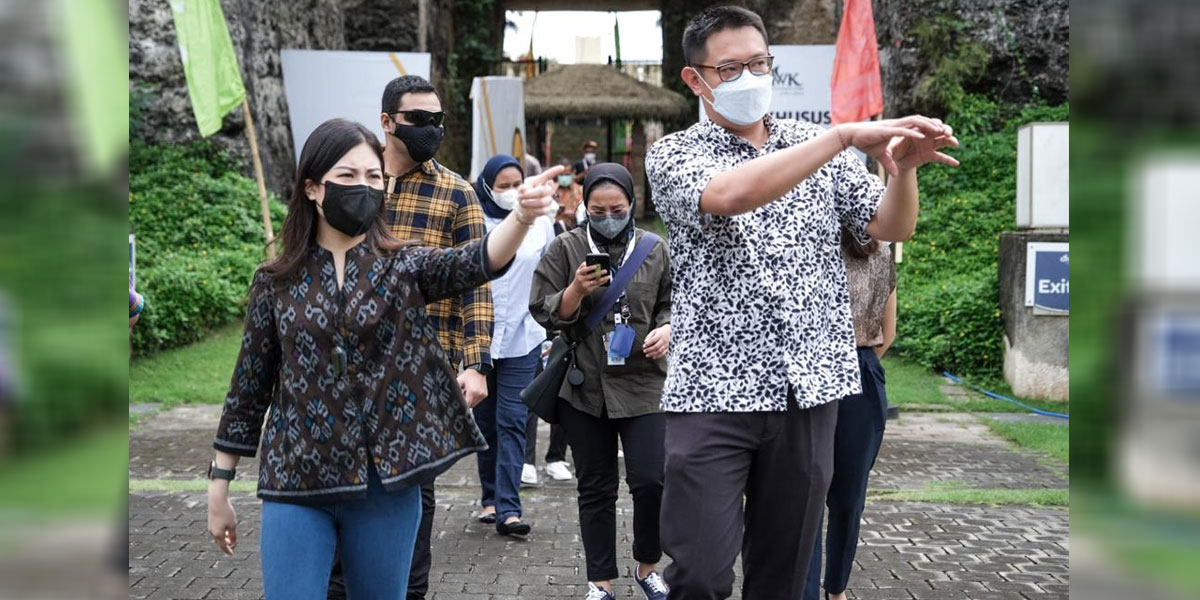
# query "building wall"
(1035, 346)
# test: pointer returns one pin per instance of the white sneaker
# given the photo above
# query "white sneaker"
(596, 592)
(529, 475)
(558, 471)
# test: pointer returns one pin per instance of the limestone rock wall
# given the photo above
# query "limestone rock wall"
(259, 30)
(1025, 44)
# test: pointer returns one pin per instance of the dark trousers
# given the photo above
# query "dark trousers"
(557, 451)
(859, 432)
(502, 418)
(594, 447)
(780, 463)
(418, 574)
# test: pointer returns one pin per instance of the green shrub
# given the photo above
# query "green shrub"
(953, 324)
(199, 228)
(949, 313)
(188, 294)
(58, 245)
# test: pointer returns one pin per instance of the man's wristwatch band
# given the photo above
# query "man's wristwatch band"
(482, 368)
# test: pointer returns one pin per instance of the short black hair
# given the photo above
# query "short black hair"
(405, 84)
(710, 21)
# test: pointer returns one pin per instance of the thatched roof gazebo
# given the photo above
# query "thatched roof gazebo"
(599, 91)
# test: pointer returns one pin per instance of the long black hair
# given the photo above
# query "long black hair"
(327, 144)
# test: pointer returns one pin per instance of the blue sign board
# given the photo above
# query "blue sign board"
(1048, 277)
(1172, 362)
(1181, 356)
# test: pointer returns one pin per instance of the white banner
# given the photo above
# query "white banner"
(801, 77)
(326, 84)
(498, 122)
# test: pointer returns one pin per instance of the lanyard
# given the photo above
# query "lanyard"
(621, 312)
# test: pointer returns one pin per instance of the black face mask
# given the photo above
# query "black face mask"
(422, 142)
(351, 209)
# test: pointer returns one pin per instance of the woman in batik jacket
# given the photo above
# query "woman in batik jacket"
(360, 402)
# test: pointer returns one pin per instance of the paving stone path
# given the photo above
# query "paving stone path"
(908, 550)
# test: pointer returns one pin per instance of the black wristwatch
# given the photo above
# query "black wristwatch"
(483, 369)
(215, 472)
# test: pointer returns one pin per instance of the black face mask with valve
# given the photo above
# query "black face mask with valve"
(351, 209)
(422, 142)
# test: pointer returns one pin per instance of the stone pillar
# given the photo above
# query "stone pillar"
(1035, 346)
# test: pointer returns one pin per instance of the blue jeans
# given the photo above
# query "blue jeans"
(502, 419)
(856, 441)
(374, 535)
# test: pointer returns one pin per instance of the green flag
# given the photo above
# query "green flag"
(97, 64)
(214, 81)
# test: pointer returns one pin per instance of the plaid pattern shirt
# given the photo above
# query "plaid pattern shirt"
(436, 206)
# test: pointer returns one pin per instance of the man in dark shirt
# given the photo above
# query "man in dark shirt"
(586, 162)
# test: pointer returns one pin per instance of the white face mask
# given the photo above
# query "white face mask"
(507, 199)
(743, 100)
(589, 157)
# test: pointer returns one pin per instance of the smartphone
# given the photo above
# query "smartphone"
(601, 259)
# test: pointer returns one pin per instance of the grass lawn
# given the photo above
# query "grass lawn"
(955, 493)
(1054, 440)
(1155, 542)
(198, 373)
(187, 485)
(85, 476)
(913, 387)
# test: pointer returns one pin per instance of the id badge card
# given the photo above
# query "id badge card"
(619, 344)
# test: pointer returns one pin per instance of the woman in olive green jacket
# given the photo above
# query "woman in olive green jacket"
(619, 396)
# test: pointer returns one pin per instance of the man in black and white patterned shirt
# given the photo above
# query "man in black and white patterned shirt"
(763, 344)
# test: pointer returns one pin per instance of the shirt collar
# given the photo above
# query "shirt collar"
(725, 137)
(428, 168)
(358, 249)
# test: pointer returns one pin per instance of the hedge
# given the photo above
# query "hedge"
(949, 312)
(198, 224)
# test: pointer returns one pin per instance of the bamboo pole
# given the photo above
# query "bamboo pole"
(258, 175)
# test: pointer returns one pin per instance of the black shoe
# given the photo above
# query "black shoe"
(514, 528)
(488, 518)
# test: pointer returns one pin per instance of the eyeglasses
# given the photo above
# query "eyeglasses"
(421, 118)
(730, 71)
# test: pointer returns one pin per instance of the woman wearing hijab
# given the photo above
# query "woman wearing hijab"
(516, 348)
(618, 396)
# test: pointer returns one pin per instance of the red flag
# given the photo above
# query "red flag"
(857, 92)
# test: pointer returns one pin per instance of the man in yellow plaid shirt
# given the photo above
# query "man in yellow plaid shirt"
(427, 202)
